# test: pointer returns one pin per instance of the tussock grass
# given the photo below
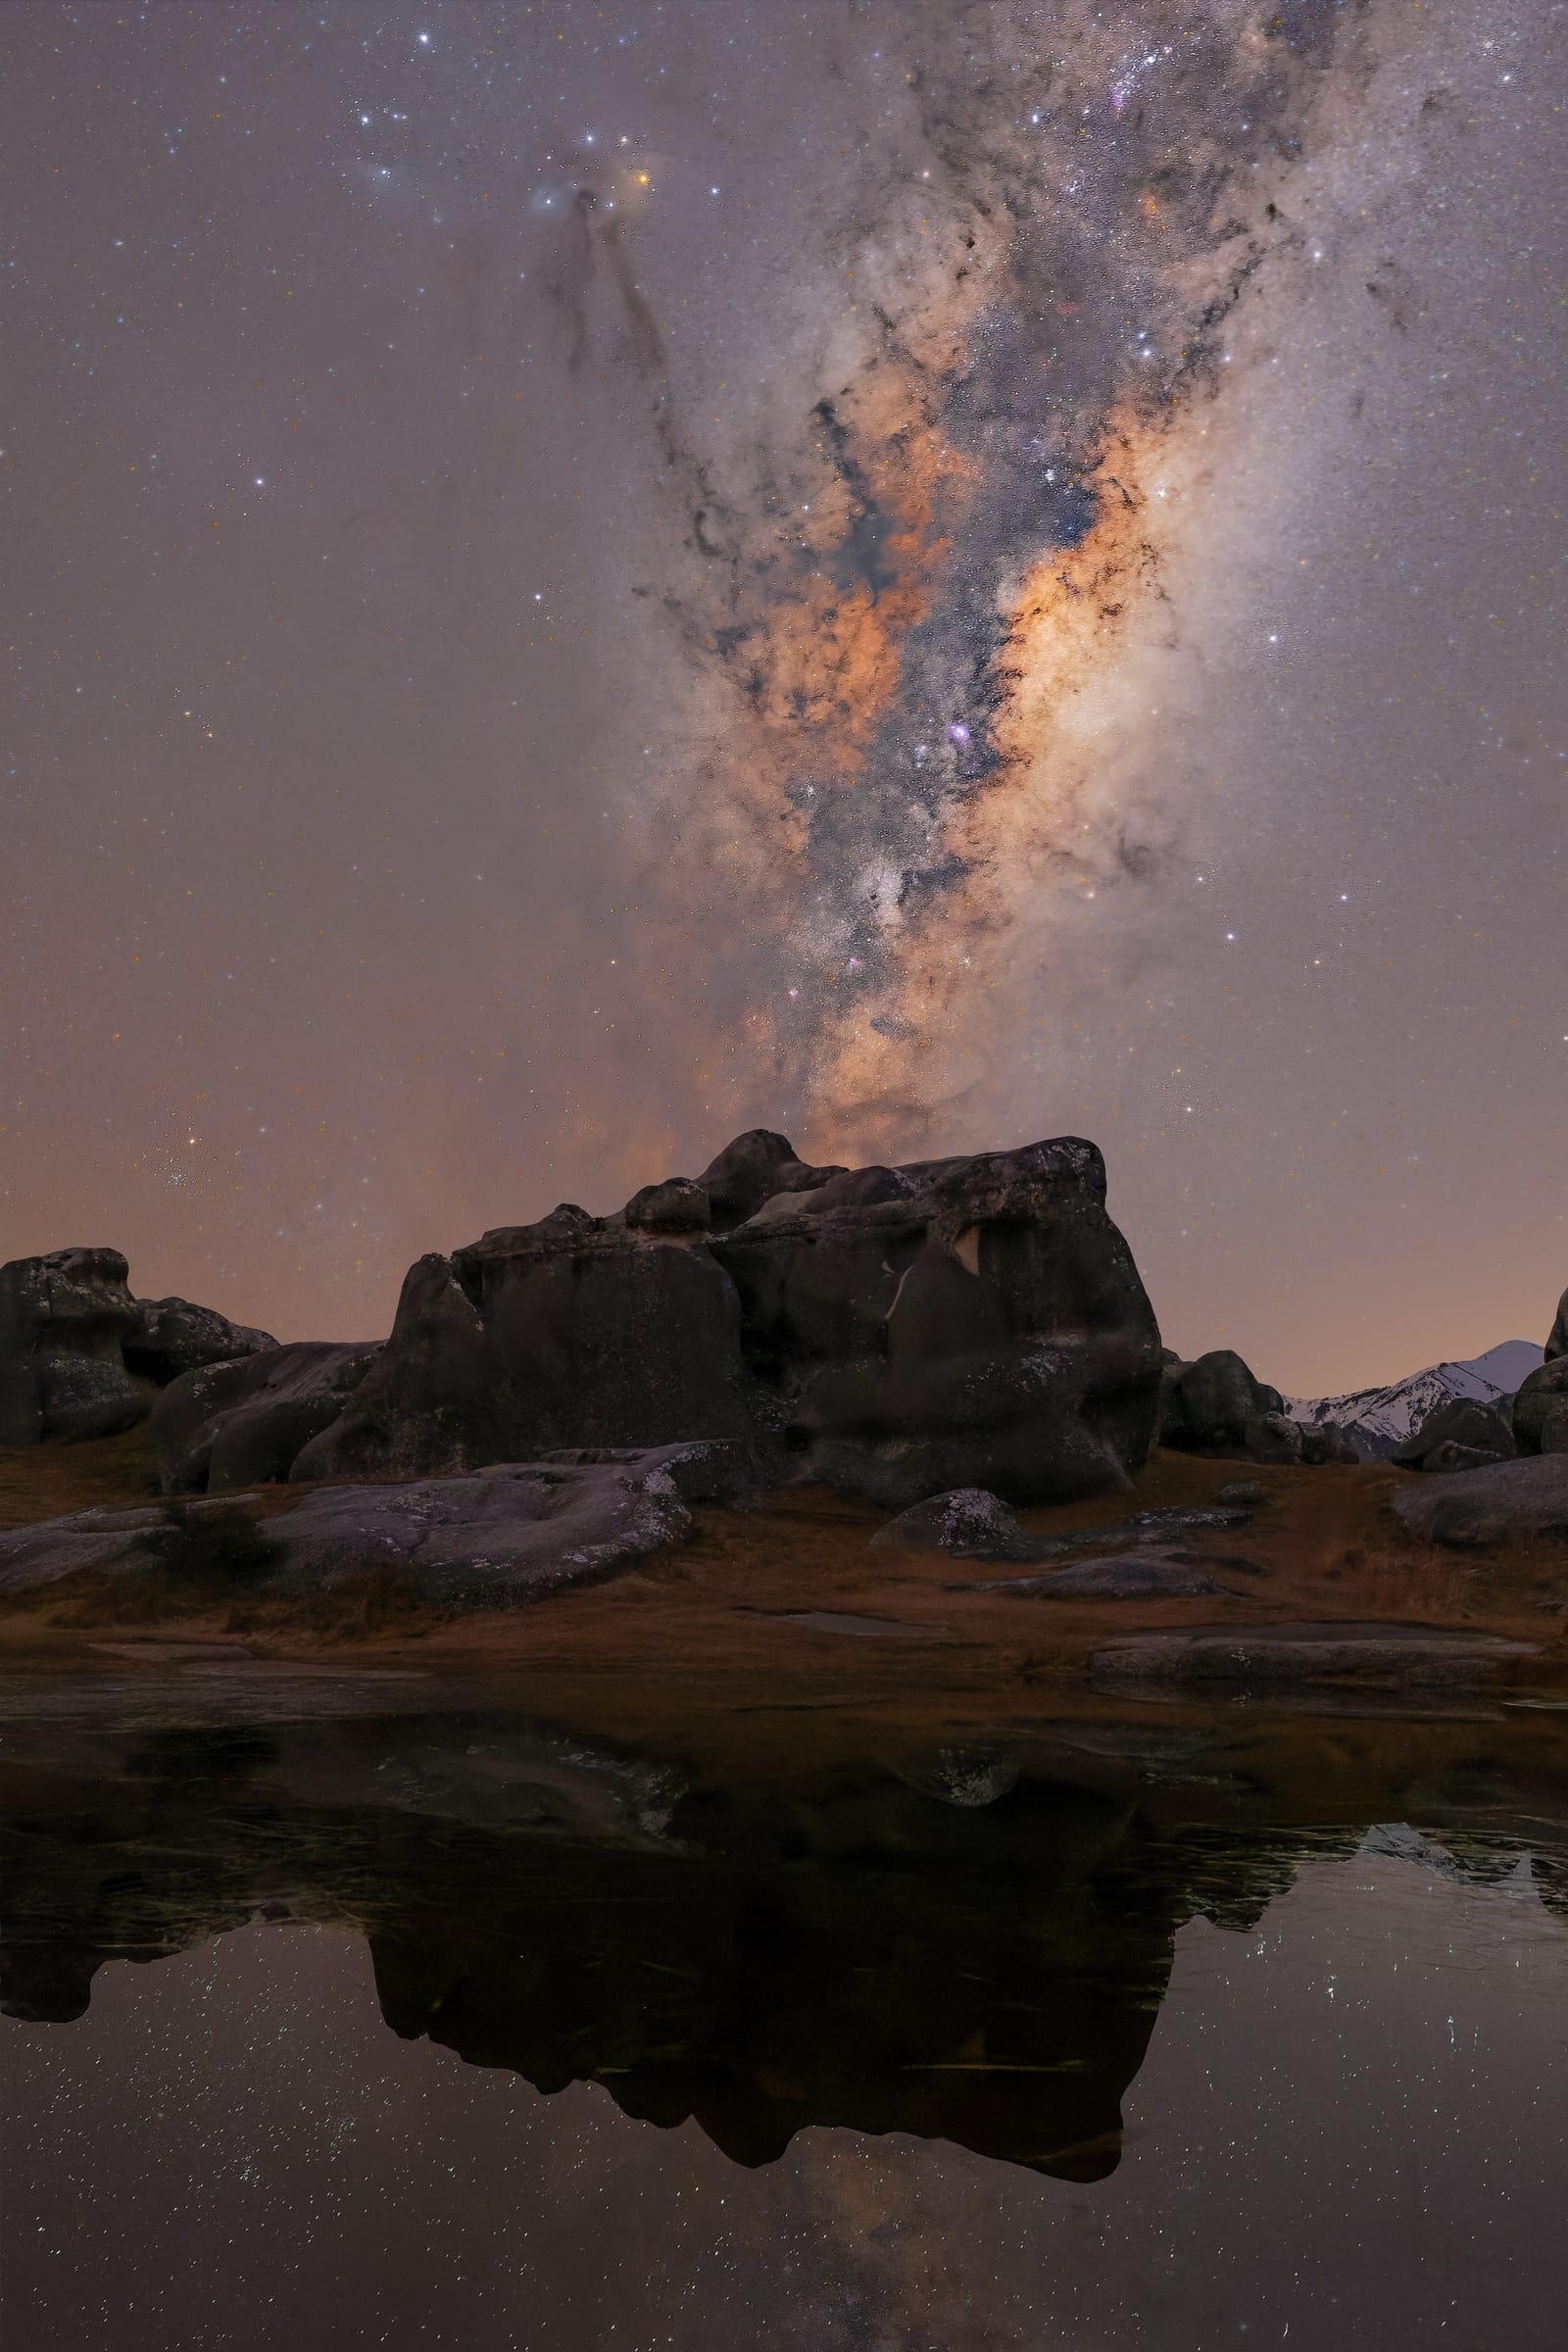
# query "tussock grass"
(383, 1600)
(1398, 1580)
(196, 1562)
(47, 1482)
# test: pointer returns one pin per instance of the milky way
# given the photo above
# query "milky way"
(907, 599)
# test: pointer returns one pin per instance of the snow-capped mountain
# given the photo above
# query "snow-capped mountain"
(1380, 1419)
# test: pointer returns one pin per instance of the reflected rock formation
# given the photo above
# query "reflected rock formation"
(977, 1958)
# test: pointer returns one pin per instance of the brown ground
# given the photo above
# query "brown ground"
(705, 1631)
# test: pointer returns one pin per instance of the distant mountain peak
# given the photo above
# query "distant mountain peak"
(1382, 1418)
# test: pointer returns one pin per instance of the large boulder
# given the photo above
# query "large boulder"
(895, 1332)
(1540, 1415)
(64, 1321)
(1459, 1435)
(577, 1330)
(242, 1423)
(974, 1322)
(81, 1358)
(1209, 1406)
(1502, 1503)
(1216, 1406)
(1558, 1336)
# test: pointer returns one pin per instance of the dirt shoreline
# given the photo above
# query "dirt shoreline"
(790, 1609)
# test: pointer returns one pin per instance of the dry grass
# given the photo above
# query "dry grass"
(382, 1602)
(46, 1482)
(1398, 1580)
(196, 1563)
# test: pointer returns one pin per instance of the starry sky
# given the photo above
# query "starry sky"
(1350, 2128)
(580, 578)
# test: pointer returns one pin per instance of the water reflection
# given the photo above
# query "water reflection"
(968, 1946)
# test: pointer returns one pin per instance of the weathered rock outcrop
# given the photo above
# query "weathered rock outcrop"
(511, 1534)
(1280, 1656)
(1461, 1435)
(1216, 1406)
(239, 1424)
(82, 1357)
(894, 1332)
(1558, 1336)
(1540, 1410)
(1502, 1503)
(1538, 1416)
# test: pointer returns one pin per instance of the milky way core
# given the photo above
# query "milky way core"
(925, 598)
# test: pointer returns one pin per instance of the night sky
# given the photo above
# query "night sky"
(581, 578)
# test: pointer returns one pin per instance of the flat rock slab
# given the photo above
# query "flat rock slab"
(512, 1533)
(1124, 1576)
(838, 1621)
(1505, 1503)
(50, 1549)
(1404, 1657)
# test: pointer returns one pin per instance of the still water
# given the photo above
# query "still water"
(392, 2030)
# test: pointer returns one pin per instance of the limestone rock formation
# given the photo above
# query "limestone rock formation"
(1461, 1435)
(1540, 1410)
(1216, 1406)
(82, 1357)
(239, 1424)
(893, 1332)
(1503, 1503)
(511, 1534)
(1558, 1336)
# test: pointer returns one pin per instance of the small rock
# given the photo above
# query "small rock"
(1176, 1518)
(1124, 1576)
(969, 1522)
(1248, 1491)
